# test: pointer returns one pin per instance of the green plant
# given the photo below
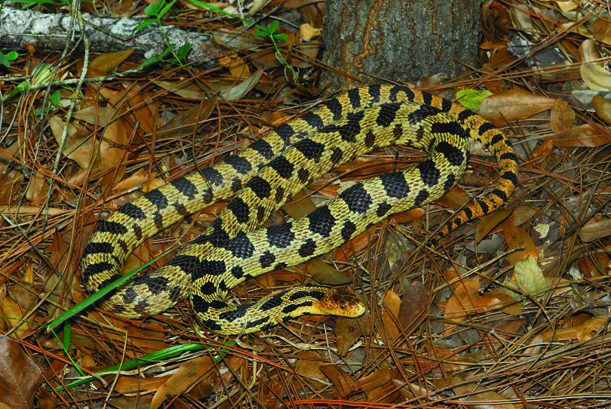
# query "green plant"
(158, 10)
(262, 32)
(5, 59)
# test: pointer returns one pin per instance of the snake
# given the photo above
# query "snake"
(260, 178)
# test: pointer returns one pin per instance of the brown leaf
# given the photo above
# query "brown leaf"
(562, 116)
(588, 51)
(20, 378)
(489, 222)
(38, 188)
(594, 231)
(188, 374)
(310, 364)
(493, 300)
(105, 63)
(583, 136)
(596, 77)
(390, 314)
(183, 124)
(602, 106)
(348, 331)
(343, 382)
(520, 240)
(601, 29)
(462, 302)
(543, 149)
(487, 400)
(300, 205)
(414, 306)
(326, 274)
(78, 144)
(454, 199)
(514, 104)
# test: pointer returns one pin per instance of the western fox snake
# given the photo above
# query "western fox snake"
(264, 176)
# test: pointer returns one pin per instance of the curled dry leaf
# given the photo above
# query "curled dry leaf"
(78, 145)
(514, 104)
(588, 52)
(308, 32)
(602, 106)
(597, 78)
(390, 314)
(325, 274)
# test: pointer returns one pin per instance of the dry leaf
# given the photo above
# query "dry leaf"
(390, 314)
(602, 106)
(414, 306)
(521, 239)
(514, 104)
(601, 29)
(20, 377)
(343, 382)
(325, 274)
(562, 116)
(529, 277)
(597, 78)
(588, 51)
(347, 331)
(489, 222)
(105, 63)
(462, 302)
(583, 136)
(594, 231)
(487, 400)
(187, 375)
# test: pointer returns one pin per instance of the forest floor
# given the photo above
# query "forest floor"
(508, 311)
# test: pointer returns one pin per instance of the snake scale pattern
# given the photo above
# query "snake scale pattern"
(263, 176)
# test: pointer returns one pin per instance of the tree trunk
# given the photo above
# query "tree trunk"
(400, 40)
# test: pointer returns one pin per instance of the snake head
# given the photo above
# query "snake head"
(340, 303)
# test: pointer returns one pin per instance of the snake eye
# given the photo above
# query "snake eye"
(342, 306)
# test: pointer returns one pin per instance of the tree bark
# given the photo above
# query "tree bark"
(399, 39)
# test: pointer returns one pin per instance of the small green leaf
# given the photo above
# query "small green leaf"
(472, 98)
(55, 97)
(183, 51)
(4, 60)
(262, 33)
(146, 23)
(153, 9)
(274, 26)
(165, 9)
(281, 36)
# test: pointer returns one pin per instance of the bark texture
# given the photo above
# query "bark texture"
(399, 39)
(51, 32)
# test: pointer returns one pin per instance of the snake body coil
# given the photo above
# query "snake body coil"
(264, 176)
